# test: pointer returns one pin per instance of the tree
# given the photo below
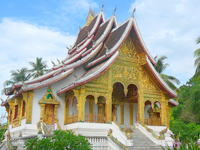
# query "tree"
(38, 68)
(197, 61)
(61, 140)
(16, 76)
(185, 118)
(160, 67)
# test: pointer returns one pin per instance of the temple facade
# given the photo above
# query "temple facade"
(107, 84)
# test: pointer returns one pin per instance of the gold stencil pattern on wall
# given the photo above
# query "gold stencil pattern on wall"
(147, 84)
(128, 50)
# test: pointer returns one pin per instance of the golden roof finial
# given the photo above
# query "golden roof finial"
(90, 17)
(79, 27)
(102, 7)
(53, 63)
(134, 11)
(114, 11)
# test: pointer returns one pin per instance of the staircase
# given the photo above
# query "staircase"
(141, 142)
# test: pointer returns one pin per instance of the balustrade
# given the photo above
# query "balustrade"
(72, 118)
(153, 121)
(96, 118)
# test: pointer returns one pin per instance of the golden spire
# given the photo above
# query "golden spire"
(90, 17)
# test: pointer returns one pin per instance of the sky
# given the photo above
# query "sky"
(43, 28)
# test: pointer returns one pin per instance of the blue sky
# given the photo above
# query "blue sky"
(41, 28)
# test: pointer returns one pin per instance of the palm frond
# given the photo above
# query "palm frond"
(38, 68)
(198, 40)
(197, 53)
(197, 61)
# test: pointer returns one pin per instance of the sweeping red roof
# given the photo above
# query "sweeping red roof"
(96, 47)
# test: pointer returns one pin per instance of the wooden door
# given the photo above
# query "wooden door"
(49, 114)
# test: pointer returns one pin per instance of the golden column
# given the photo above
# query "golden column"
(19, 99)
(91, 102)
(122, 112)
(66, 109)
(141, 101)
(168, 113)
(163, 109)
(109, 98)
(42, 112)
(131, 113)
(55, 114)
(11, 115)
(28, 97)
(81, 104)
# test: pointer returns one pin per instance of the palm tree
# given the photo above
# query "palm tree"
(16, 76)
(160, 67)
(38, 68)
(197, 55)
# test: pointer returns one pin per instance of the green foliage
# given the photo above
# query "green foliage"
(186, 117)
(160, 68)
(197, 60)
(38, 68)
(61, 140)
(16, 76)
(3, 128)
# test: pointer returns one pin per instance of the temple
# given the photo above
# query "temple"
(105, 89)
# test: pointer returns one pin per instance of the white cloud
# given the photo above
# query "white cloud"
(21, 43)
(170, 28)
(78, 7)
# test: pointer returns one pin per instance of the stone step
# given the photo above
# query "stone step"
(146, 148)
(140, 140)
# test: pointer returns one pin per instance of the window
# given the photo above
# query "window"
(10, 115)
(16, 111)
(23, 108)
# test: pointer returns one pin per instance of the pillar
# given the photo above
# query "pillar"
(11, 109)
(55, 113)
(163, 110)
(122, 113)
(91, 102)
(115, 113)
(141, 99)
(42, 112)
(168, 118)
(19, 106)
(81, 104)
(131, 113)
(109, 98)
(28, 97)
(66, 110)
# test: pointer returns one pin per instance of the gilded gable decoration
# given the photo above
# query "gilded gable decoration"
(128, 50)
(125, 72)
(49, 98)
(143, 59)
(146, 82)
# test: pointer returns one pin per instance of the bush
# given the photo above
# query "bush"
(61, 140)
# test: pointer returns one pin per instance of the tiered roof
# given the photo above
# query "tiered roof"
(96, 48)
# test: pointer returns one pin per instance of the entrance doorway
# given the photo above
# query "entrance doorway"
(49, 114)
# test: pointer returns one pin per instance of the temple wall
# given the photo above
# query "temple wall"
(95, 108)
(146, 108)
(87, 109)
(126, 114)
(119, 114)
(38, 94)
(135, 112)
(72, 107)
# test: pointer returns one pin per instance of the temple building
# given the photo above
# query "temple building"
(106, 89)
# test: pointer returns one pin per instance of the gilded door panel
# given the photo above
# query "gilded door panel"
(48, 114)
